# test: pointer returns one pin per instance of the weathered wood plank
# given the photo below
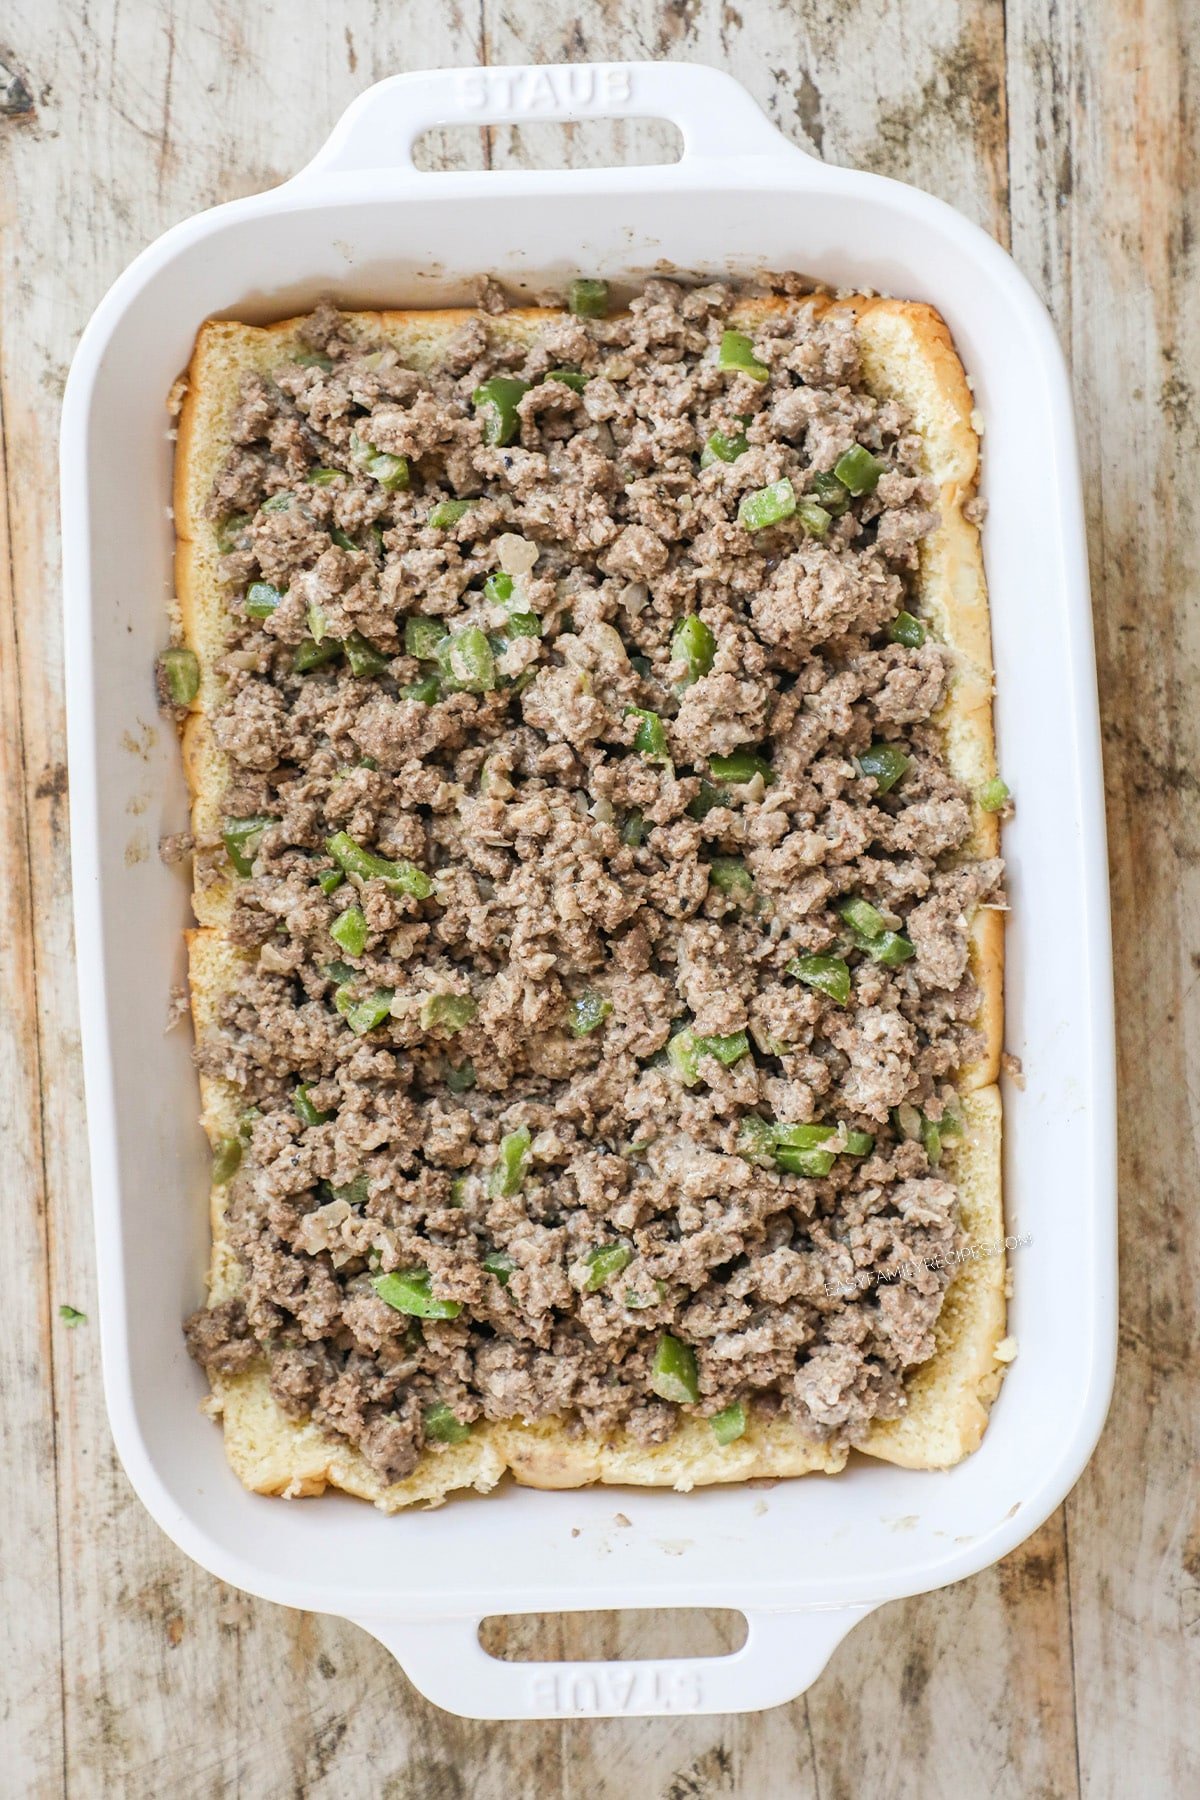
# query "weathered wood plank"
(31, 1336)
(1105, 215)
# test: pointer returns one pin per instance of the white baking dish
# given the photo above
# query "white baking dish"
(805, 1559)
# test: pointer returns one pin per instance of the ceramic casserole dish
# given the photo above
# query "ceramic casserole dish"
(805, 1559)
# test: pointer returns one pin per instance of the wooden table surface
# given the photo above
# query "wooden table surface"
(1068, 129)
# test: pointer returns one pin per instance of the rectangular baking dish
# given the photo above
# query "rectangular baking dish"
(804, 1559)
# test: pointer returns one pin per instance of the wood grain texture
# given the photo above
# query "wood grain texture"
(31, 1719)
(1066, 127)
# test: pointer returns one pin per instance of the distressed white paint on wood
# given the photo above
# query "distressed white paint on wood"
(31, 1729)
(1073, 1666)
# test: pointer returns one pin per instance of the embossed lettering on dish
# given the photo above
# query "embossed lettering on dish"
(536, 91)
(634, 1688)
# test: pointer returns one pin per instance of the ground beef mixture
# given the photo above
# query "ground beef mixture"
(538, 803)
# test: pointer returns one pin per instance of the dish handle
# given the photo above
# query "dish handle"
(782, 1656)
(715, 115)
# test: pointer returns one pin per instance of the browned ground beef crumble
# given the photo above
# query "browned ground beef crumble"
(521, 804)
